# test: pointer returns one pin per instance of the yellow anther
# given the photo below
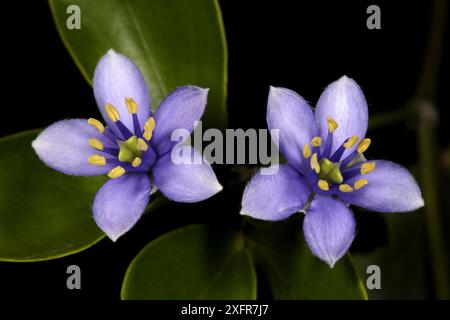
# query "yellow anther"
(332, 125)
(345, 188)
(323, 185)
(367, 167)
(97, 160)
(116, 172)
(136, 162)
(131, 105)
(96, 144)
(96, 124)
(141, 145)
(314, 163)
(112, 112)
(351, 142)
(306, 151)
(316, 141)
(149, 126)
(360, 183)
(363, 145)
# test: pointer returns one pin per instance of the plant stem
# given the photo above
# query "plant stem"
(428, 146)
(383, 119)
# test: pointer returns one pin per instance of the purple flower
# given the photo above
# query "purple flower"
(134, 149)
(326, 170)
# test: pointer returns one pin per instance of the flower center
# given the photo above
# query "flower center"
(330, 171)
(131, 149)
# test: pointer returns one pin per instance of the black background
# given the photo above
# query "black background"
(301, 45)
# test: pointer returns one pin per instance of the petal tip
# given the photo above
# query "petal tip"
(38, 147)
(195, 88)
(345, 78)
(109, 55)
(112, 233)
(273, 88)
(345, 82)
(35, 144)
(331, 262)
(277, 90)
(420, 202)
(113, 237)
(244, 213)
(218, 186)
(111, 51)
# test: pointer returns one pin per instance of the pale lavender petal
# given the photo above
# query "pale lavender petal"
(191, 180)
(390, 188)
(329, 228)
(120, 202)
(117, 78)
(179, 110)
(293, 117)
(64, 146)
(275, 197)
(343, 101)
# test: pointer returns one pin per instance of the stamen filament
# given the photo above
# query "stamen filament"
(351, 173)
(328, 144)
(111, 151)
(350, 142)
(110, 135)
(136, 125)
(126, 133)
(349, 159)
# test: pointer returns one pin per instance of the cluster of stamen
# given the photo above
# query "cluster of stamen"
(130, 148)
(331, 169)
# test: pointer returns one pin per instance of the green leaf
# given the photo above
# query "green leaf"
(173, 42)
(194, 262)
(44, 214)
(402, 262)
(292, 271)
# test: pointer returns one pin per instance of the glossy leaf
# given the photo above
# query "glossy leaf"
(292, 271)
(173, 42)
(194, 262)
(44, 214)
(402, 260)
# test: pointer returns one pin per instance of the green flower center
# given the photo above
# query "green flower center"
(330, 171)
(131, 149)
